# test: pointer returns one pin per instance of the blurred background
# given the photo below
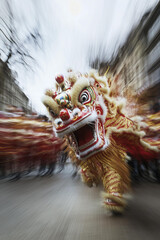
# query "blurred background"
(42, 196)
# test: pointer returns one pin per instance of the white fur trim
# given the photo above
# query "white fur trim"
(93, 149)
(103, 105)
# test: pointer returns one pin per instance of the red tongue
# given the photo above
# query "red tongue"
(84, 135)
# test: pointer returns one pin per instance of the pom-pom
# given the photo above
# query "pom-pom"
(59, 79)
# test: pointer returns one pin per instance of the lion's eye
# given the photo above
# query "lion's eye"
(84, 97)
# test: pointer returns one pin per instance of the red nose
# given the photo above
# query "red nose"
(64, 115)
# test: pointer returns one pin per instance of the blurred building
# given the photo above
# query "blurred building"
(151, 31)
(10, 92)
(137, 63)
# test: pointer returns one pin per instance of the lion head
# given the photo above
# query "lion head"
(78, 111)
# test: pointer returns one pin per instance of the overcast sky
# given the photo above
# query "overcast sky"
(70, 28)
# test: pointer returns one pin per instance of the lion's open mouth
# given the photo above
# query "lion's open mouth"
(85, 136)
(89, 139)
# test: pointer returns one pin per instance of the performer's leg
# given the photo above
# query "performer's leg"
(113, 185)
(89, 174)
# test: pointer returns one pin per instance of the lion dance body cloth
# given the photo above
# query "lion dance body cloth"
(97, 132)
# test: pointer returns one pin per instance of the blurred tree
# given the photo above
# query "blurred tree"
(14, 49)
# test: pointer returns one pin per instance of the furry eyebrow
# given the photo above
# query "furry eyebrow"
(50, 103)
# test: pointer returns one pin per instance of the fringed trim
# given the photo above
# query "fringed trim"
(121, 103)
(140, 134)
(117, 199)
(100, 79)
(103, 90)
(128, 130)
(116, 203)
(137, 119)
(72, 77)
(112, 104)
(117, 209)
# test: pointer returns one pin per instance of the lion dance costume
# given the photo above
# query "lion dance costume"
(99, 135)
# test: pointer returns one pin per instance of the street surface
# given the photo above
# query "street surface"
(62, 208)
